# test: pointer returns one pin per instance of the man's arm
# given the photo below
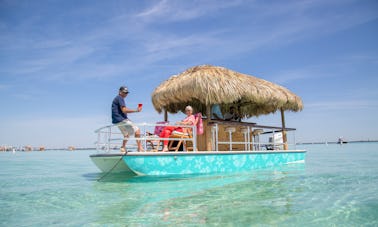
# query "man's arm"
(127, 110)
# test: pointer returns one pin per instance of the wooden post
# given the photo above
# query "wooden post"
(165, 115)
(208, 129)
(284, 137)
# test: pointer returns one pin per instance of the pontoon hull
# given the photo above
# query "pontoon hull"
(110, 163)
(177, 163)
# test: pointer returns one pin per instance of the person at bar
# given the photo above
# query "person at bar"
(232, 115)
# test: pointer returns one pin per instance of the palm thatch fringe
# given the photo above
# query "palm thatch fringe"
(205, 85)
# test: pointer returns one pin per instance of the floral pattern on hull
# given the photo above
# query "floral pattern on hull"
(173, 164)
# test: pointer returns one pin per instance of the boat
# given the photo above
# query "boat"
(341, 140)
(224, 146)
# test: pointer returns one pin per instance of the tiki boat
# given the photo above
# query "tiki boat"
(211, 146)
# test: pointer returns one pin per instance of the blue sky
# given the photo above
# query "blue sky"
(62, 62)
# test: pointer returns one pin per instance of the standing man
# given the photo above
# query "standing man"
(119, 117)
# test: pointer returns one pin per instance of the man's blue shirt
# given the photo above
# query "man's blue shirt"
(117, 114)
(215, 109)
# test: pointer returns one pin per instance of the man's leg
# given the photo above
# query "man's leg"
(124, 142)
(125, 133)
(137, 135)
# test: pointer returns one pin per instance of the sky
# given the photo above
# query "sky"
(63, 61)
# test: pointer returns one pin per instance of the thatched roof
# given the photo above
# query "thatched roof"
(205, 85)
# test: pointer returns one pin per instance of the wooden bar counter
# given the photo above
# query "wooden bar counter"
(223, 135)
(237, 136)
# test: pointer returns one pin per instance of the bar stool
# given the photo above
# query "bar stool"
(230, 130)
(256, 137)
(245, 131)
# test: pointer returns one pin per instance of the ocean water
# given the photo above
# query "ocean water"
(337, 186)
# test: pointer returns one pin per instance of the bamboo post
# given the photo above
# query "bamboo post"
(284, 137)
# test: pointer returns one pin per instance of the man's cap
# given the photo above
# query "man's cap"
(124, 89)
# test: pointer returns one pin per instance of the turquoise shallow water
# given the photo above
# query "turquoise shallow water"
(337, 186)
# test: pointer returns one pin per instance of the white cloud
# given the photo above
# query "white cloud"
(160, 8)
(287, 23)
(170, 11)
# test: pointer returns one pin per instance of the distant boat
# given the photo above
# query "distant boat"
(71, 148)
(341, 141)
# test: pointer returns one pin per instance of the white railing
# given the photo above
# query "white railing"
(110, 137)
(256, 137)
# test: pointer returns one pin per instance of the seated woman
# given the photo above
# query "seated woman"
(167, 130)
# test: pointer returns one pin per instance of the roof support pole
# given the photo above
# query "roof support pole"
(284, 137)
(165, 115)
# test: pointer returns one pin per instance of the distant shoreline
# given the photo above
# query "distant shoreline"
(345, 142)
(10, 148)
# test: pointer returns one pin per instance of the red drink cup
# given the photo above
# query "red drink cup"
(140, 105)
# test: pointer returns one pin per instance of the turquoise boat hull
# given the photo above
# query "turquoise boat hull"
(177, 163)
(110, 162)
